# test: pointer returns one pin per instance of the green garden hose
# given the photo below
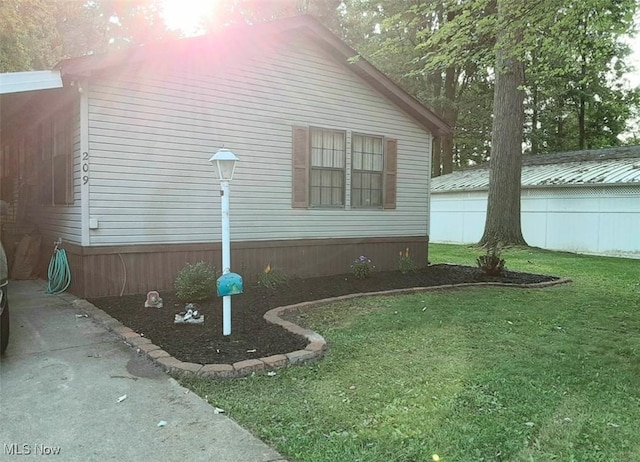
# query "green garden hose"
(59, 272)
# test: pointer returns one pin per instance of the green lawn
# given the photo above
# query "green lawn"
(476, 374)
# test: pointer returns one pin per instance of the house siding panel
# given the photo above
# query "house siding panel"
(152, 133)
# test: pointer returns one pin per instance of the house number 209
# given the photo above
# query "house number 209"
(85, 167)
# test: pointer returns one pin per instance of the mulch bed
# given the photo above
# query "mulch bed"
(252, 337)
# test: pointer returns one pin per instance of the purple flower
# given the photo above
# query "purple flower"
(362, 267)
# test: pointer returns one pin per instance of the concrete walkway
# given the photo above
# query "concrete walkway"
(60, 380)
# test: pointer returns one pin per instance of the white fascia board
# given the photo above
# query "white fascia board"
(16, 82)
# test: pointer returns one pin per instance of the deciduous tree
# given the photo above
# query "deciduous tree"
(503, 225)
(35, 34)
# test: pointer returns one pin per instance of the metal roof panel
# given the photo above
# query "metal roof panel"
(597, 167)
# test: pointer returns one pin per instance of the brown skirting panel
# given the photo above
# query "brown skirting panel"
(137, 269)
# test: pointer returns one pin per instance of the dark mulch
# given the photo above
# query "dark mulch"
(252, 337)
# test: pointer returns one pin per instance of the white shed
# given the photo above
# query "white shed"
(582, 201)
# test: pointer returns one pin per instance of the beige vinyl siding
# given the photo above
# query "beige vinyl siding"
(151, 134)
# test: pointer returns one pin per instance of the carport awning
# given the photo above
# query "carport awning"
(16, 82)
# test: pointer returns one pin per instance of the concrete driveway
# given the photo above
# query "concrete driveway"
(60, 381)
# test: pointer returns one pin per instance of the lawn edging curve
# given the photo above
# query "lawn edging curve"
(316, 344)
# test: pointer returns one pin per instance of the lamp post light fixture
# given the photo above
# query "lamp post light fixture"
(225, 163)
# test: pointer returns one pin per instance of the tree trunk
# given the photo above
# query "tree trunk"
(502, 225)
(559, 143)
(447, 155)
(535, 142)
(581, 122)
(436, 170)
(582, 106)
(450, 117)
(436, 91)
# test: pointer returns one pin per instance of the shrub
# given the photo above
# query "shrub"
(491, 263)
(362, 267)
(406, 263)
(271, 277)
(196, 282)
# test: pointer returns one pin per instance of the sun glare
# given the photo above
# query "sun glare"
(186, 15)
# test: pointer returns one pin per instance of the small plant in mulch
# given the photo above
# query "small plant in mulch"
(491, 264)
(405, 263)
(196, 282)
(362, 267)
(272, 277)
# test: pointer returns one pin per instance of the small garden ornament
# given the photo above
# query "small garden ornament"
(153, 300)
(190, 316)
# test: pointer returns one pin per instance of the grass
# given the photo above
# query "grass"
(478, 374)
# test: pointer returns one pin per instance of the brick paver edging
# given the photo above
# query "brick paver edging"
(314, 350)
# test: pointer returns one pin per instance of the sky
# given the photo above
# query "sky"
(634, 77)
(634, 43)
(185, 14)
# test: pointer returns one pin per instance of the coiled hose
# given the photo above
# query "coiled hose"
(59, 272)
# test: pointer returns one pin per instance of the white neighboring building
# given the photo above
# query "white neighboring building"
(582, 201)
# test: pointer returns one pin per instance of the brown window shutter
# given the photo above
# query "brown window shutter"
(390, 173)
(300, 168)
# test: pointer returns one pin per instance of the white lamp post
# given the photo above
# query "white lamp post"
(225, 163)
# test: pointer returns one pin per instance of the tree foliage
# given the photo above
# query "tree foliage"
(576, 63)
(443, 53)
(28, 35)
(230, 12)
(393, 36)
(35, 34)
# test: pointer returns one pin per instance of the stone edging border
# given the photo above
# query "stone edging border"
(314, 350)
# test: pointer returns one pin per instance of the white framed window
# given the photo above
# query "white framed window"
(319, 169)
(328, 168)
(367, 170)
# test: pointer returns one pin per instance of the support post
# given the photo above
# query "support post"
(226, 255)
